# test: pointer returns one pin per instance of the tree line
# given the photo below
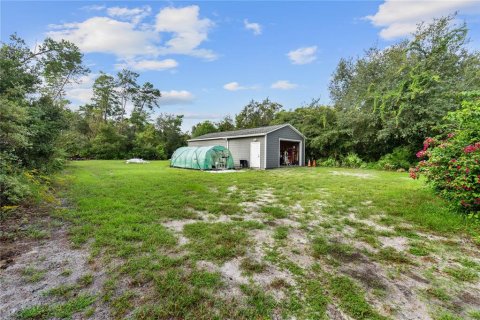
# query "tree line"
(384, 103)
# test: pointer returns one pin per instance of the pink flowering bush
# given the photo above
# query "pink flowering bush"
(451, 163)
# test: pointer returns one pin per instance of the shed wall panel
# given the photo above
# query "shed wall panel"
(206, 143)
(240, 149)
(273, 146)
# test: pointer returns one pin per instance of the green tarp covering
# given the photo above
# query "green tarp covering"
(202, 158)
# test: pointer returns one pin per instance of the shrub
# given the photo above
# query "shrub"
(399, 159)
(451, 163)
(329, 162)
(109, 144)
(371, 165)
(352, 160)
(13, 189)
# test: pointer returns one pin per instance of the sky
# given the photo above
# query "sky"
(210, 58)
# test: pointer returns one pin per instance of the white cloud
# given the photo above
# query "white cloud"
(107, 35)
(144, 65)
(283, 85)
(81, 92)
(79, 96)
(176, 97)
(175, 31)
(135, 15)
(189, 31)
(303, 55)
(200, 116)
(255, 27)
(399, 18)
(233, 86)
(94, 7)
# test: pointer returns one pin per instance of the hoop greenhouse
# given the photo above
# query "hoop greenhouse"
(202, 158)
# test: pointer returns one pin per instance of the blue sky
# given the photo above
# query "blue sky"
(210, 59)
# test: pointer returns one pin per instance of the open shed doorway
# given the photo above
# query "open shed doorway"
(290, 152)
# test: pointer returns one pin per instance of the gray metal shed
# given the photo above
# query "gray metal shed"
(263, 148)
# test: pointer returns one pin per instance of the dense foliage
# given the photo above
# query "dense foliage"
(105, 129)
(257, 114)
(451, 162)
(319, 124)
(201, 128)
(399, 95)
(32, 114)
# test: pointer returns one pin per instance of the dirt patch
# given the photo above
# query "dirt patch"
(417, 278)
(287, 223)
(234, 276)
(353, 174)
(231, 276)
(363, 246)
(177, 225)
(207, 266)
(7, 257)
(334, 313)
(263, 197)
(261, 238)
(406, 302)
(231, 272)
(367, 203)
(370, 222)
(272, 274)
(400, 294)
(20, 229)
(298, 249)
(318, 205)
(468, 298)
(369, 275)
(232, 189)
(224, 171)
(348, 231)
(297, 207)
(56, 264)
(398, 243)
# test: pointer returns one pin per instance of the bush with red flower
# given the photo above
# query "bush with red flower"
(451, 162)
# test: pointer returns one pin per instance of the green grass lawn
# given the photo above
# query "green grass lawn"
(297, 242)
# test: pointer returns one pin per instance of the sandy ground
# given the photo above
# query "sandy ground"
(402, 287)
(57, 263)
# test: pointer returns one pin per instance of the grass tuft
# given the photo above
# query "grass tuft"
(317, 299)
(281, 233)
(31, 274)
(63, 290)
(337, 250)
(275, 212)
(262, 304)
(85, 280)
(250, 265)
(352, 299)
(59, 311)
(216, 241)
(438, 293)
(389, 254)
(462, 274)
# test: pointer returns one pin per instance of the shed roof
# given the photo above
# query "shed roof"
(261, 131)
